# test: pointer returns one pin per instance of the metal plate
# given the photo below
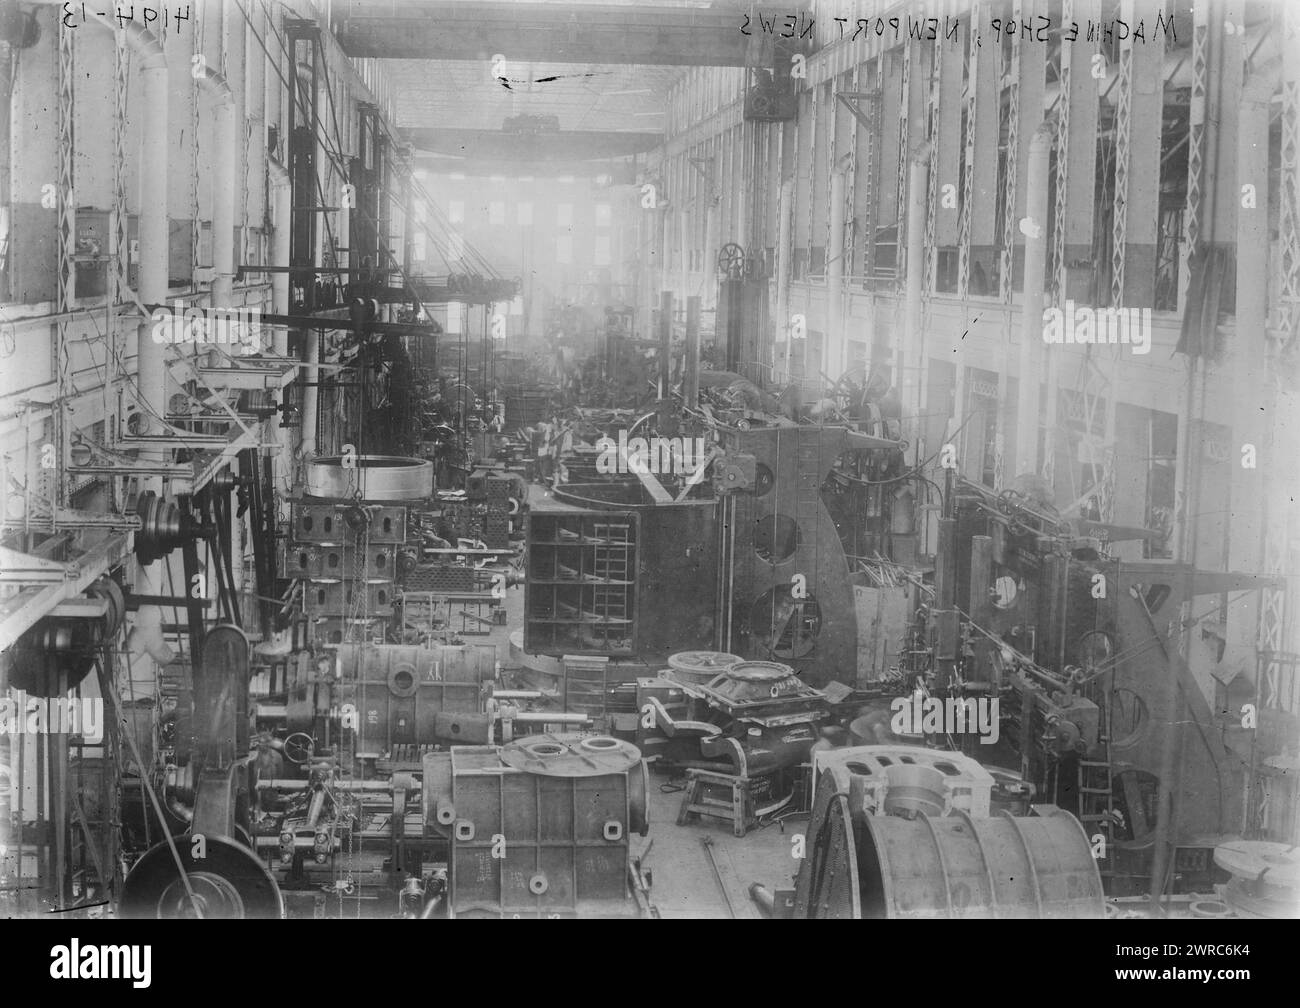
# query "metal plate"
(331, 631)
(570, 755)
(325, 562)
(340, 522)
(1275, 864)
(351, 598)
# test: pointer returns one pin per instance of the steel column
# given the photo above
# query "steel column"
(1196, 145)
(1076, 158)
(1138, 125)
(121, 221)
(1253, 387)
(1027, 411)
(979, 179)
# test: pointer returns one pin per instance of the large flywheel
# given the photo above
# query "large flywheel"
(229, 882)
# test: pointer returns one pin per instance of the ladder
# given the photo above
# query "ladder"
(584, 686)
(808, 478)
(609, 566)
(1096, 797)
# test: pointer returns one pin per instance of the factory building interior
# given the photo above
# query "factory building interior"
(591, 459)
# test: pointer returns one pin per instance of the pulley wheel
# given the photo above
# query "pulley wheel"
(230, 883)
(53, 657)
(110, 591)
(160, 527)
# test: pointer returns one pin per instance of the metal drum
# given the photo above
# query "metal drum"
(373, 477)
(956, 866)
(864, 865)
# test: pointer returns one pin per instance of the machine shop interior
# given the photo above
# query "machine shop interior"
(588, 459)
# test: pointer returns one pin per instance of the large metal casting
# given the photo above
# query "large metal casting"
(925, 856)
(540, 827)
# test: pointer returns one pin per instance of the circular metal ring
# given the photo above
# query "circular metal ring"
(299, 748)
(403, 680)
(545, 749)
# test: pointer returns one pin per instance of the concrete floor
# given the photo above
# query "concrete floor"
(685, 883)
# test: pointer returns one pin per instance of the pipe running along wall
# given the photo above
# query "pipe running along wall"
(785, 211)
(835, 352)
(1031, 317)
(282, 192)
(223, 184)
(910, 357)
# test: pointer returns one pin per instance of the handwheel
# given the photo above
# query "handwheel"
(731, 260)
(229, 882)
(299, 748)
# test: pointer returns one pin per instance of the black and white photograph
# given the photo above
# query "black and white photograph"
(696, 459)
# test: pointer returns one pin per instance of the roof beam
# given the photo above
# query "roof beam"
(563, 145)
(619, 172)
(555, 33)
